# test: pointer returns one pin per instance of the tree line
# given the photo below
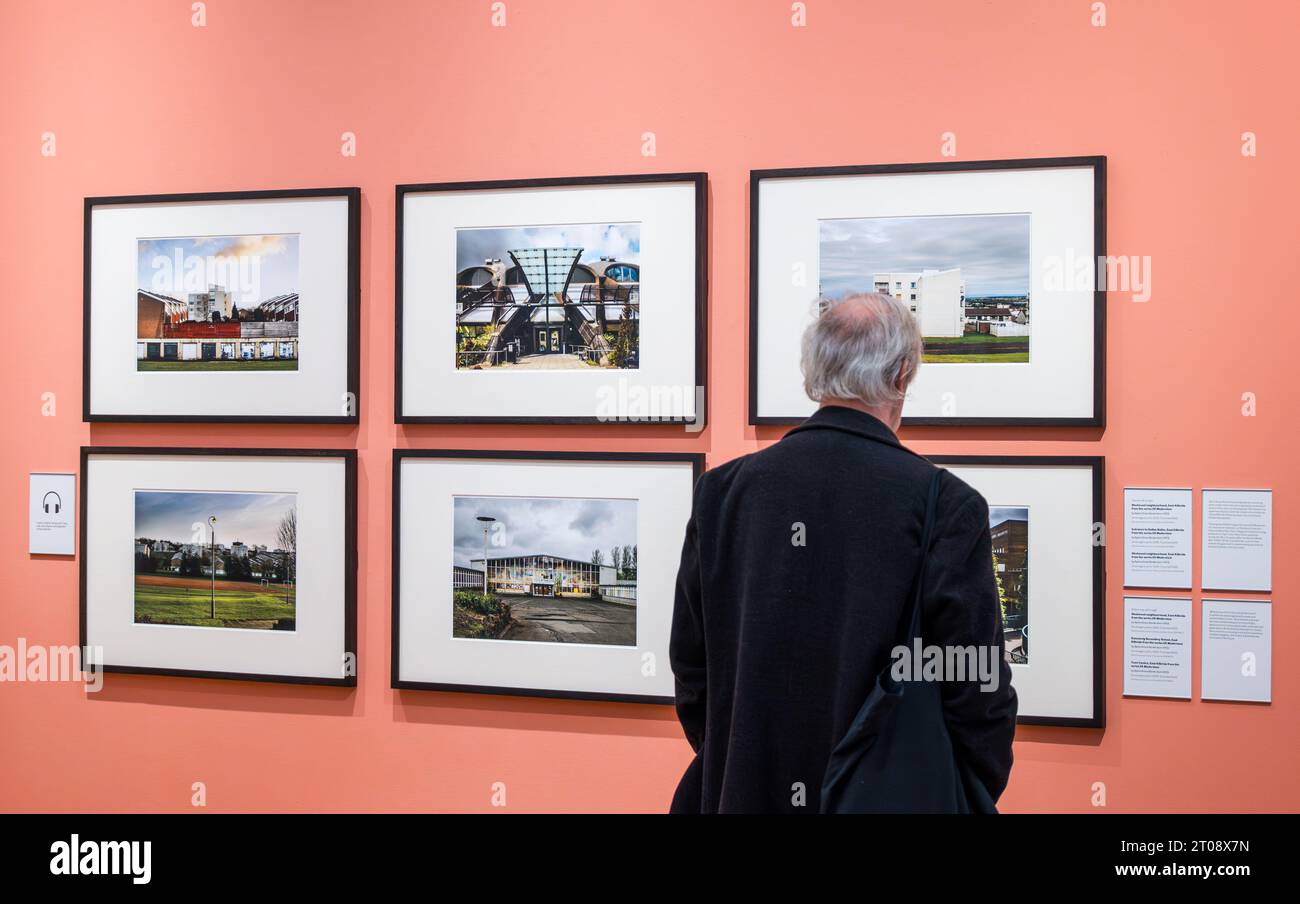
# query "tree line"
(622, 558)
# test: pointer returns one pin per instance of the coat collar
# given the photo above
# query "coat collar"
(850, 420)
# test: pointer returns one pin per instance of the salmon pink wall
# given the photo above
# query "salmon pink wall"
(139, 100)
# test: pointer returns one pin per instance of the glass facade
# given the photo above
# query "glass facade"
(542, 576)
(624, 273)
(546, 269)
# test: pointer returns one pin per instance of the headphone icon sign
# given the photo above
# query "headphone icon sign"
(58, 503)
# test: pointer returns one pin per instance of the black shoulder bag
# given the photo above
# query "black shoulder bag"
(897, 756)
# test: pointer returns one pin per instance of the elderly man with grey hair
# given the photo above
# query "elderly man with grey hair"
(798, 563)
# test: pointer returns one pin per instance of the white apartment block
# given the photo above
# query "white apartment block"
(936, 297)
(201, 305)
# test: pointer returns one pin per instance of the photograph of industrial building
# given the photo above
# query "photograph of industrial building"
(558, 570)
(217, 303)
(216, 560)
(965, 278)
(1009, 529)
(548, 297)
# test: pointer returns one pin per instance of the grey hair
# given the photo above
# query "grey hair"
(865, 347)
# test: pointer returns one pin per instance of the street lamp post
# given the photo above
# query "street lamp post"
(486, 519)
(212, 563)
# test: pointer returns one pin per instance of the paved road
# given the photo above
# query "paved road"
(566, 620)
(545, 362)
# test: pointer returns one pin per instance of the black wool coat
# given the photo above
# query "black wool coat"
(775, 645)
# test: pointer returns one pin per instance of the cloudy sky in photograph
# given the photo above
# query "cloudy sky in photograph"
(998, 514)
(571, 528)
(254, 267)
(992, 251)
(621, 241)
(253, 518)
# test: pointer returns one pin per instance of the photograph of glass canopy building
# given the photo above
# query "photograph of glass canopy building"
(548, 297)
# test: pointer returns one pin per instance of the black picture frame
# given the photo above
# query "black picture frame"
(353, 363)
(349, 458)
(696, 460)
(1098, 164)
(700, 180)
(1097, 464)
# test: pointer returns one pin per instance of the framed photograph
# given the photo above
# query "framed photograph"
(538, 573)
(1045, 515)
(220, 563)
(574, 301)
(223, 307)
(997, 260)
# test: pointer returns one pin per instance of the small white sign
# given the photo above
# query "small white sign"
(1158, 538)
(1237, 540)
(1157, 647)
(52, 522)
(1237, 650)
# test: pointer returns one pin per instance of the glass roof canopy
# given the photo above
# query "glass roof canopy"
(546, 270)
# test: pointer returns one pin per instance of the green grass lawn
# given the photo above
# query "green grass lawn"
(976, 338)
(1008, 358)
(264, 364)
(949, 349)
(235, 608)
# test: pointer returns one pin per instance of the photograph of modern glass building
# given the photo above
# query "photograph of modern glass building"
(545, 569)
(548, 297)
(537, 575)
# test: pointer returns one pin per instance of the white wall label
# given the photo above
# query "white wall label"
(1158, 538)
(1157, 647)
(1237, 650)
(52, 522)
(1237, 540)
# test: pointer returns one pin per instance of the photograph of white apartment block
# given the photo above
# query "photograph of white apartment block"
(937, 298)
(965, 278)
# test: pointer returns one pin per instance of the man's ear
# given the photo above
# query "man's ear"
(904, 378)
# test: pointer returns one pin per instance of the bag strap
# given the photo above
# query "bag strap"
(911, 618)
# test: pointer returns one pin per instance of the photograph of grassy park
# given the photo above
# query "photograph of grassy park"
(965, 278)
(552, 570)
(216, 560)
(565, 297)
(1009, 529)
(217, 303)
